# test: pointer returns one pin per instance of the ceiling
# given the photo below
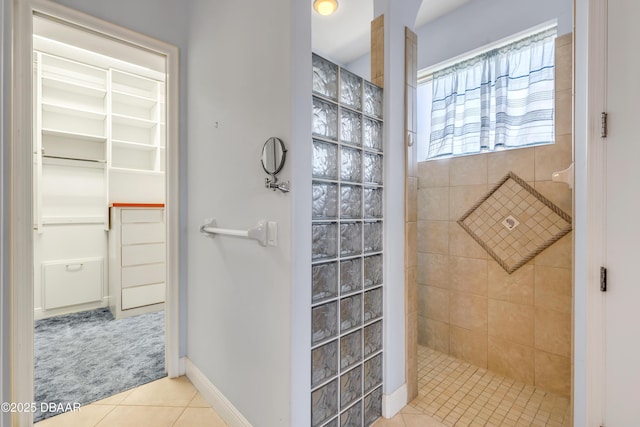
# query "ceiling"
(345, 35)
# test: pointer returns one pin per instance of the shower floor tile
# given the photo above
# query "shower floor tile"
(456, 393)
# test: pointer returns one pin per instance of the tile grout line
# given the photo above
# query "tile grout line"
(184, 409)
(105, 415)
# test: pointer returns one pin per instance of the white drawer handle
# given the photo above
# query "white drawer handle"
(74, 267)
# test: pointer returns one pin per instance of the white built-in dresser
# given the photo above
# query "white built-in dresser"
(137, 253)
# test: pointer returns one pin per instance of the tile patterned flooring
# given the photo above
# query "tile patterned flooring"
(456, 393)
(452, 393)
(164, 403)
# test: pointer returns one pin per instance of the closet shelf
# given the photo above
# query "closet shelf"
(72, 111)
(74, 86)
(135, 171)
(133, 121)
(123, 81)
(74, 135)
(54, 220)
(133, 145)
(133, 99)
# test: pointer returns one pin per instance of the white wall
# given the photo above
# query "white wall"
(164, 20)
(246, 303)
(477, 24)
(481, 22)
(361, 66)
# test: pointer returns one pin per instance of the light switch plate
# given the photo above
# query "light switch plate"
(272, 233)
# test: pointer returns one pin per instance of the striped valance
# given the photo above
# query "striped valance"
(502, 98)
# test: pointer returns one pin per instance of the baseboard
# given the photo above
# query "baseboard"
(394, 402)
(41, 313)
(214, 397)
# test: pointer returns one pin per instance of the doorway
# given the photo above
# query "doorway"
(99, 106)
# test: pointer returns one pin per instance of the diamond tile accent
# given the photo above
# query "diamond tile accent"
(538, 222)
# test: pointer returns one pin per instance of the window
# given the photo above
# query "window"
(502, 98)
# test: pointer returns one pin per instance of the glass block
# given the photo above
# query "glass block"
(351, 349)
(350, 275)
(372, 270)
(325, 241)
(352, 417)
(373, 168)
(372, 304)
(325, 281)
(350, 201)
(325, 119)
(372, 338)
(350, 312)
(350, 387)
(373, 202)
(325, 77)
(324, 322)
(324, 363)
(373, 407)
(373, 134)
(325, 201)
(373, 236)
(350, 89)
(325, 160)
(350, 238)
(372, 372)
(350, 165)
(324, 403)
(372, 100)
(350, 127)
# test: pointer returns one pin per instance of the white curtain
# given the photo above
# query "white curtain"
(503, 98)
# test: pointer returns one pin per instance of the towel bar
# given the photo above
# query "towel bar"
(265, 233)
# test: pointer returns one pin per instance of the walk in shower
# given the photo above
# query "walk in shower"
(507, 316)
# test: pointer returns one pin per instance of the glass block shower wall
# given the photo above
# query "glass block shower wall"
(346, 306)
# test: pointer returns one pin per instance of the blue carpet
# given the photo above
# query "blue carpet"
(87, 356)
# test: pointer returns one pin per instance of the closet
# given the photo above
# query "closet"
(99, 184)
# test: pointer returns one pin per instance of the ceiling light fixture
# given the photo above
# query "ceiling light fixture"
(325, 7)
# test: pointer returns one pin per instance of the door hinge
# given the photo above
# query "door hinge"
(603, 125)
(603, 279)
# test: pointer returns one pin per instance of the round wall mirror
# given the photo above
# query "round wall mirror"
(273, 155)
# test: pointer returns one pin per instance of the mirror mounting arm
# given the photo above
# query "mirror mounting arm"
(274, 185)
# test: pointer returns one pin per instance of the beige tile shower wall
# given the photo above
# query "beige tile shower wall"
(377, 51)
(520, 324)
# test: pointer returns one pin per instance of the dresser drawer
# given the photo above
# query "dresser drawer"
(129, 216)
(143, 233)
(142, 295)
(143, 254)
(143, 274)
(70, 282)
